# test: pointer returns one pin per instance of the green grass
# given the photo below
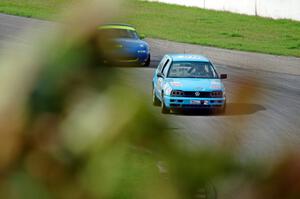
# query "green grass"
(43, 9)
(219, 29)
(190, 25)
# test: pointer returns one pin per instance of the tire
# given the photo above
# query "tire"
(147, 63)
(164, 109)
(155, 100)
(223, 109)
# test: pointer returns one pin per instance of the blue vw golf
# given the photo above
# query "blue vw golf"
(186, 82)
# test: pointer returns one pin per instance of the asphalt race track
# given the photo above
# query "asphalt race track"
(264, 124)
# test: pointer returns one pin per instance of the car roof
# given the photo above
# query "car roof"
(188, 57)
(116, 26)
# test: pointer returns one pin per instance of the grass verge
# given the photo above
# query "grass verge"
(42, 9)
(189, 25)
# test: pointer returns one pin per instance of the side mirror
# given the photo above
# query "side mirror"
(142, 36)
(160, 75)
(223, 76)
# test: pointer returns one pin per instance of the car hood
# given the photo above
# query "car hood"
(132, 43)
(195, 84)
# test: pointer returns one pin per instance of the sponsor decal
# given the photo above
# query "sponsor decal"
(215, 85)
(177, 84)
(190, 57)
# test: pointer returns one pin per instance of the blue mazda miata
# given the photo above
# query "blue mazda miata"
(124, 45)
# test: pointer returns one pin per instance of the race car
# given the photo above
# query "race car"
(123, 45)
(187, 82)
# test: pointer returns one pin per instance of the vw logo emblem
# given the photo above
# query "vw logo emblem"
(197, 94)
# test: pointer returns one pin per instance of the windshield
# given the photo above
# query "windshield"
(119, 33)
(192, 69)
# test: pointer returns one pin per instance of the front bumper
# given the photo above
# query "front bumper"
(193, 103)
(128, 58)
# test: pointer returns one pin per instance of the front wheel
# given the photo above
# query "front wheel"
(155, 100)
(164, 109)
(147, 63)
(222, 110)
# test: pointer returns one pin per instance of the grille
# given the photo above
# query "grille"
(215, 94)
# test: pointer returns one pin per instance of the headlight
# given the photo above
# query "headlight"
(217, 94)
(177, 93)
(142, 51)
